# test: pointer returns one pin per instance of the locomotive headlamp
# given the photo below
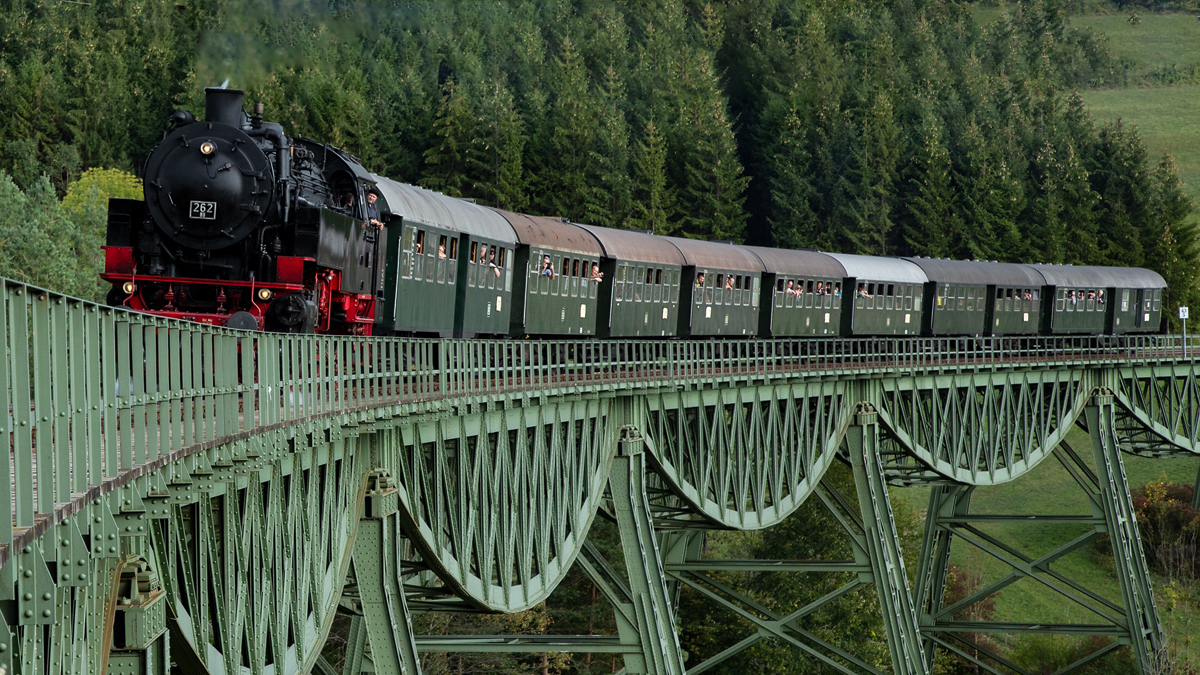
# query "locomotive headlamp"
(264, 294)
(128, 287)
(208, 148)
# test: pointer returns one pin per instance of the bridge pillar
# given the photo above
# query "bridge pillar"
(1141, 614)
(380, 597)
(651, 606)
(883, 546)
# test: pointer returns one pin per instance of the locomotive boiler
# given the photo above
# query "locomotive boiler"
(246, 227)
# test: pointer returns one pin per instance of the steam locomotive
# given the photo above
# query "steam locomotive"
(246, 227)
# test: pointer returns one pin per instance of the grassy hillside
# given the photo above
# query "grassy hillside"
(1049, 489)
(1158, 40)
(1167, 118)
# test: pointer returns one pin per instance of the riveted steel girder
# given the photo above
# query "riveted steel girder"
(1134, 621)
(234, 464)
(883, 546)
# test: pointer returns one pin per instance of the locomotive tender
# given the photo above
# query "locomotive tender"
(246, 227)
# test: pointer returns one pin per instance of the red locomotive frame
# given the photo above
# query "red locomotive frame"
(242, 296)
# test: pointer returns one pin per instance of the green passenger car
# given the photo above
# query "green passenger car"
(959, 297)
(449, 265)
(721, 284)
(1101, 300)
(802, 293)
(881, 296)
(639, 296)
(558, 281)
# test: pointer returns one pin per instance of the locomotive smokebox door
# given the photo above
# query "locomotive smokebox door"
(208, 185)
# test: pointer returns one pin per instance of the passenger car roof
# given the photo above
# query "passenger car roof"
(551, 233)
(416, 204)
(713, 255)
(635, 246)
(982, 272)
(1100, 277)
(872, 268)
(798, 263)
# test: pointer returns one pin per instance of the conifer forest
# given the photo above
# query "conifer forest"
(882, 127)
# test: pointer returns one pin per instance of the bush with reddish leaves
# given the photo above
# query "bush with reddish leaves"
(1169, 527)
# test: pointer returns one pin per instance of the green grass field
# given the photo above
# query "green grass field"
(1160, 39)
(1049, 489)
(1167, 117)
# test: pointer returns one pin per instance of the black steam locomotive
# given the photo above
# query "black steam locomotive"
(246, 227)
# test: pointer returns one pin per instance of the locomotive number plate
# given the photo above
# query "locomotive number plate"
(203, 211)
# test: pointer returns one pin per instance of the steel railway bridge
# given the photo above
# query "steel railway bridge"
(185, 495)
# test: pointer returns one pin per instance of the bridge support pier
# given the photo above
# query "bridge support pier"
(650, 606)
(883, 546)
(1134, 622)
(385, 616)
(1133, 574)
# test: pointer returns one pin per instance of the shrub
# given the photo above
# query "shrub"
(1169, 528)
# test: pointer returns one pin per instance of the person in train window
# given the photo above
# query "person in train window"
(373, 211)
(862, 291)
(547, 267)
(1100, 297)
(837, 290)
(791, 288)
(820, 288)
(729, 282)
(597, 276)
(492, 260)
(442, 248)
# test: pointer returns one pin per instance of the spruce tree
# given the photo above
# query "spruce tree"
(713, 186)
(794, 223)
(571, 125)
(654, 205)
(609, 197)
(497, 151)
(867, 225)
(989, 201)
(447, 162)
(1123, 182)
(929, 201)
(1170, 242)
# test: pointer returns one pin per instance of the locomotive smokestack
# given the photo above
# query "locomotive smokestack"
(224, 105)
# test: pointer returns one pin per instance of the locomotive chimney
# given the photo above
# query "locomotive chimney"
(224, 105)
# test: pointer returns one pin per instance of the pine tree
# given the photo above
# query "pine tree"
(1045, 228)
(609, 198)
(497, 151)
(571, 125)
(794, 223)
(654, 203)
(990, 200)
(712, 185)
(929, 201)
(447, 161)
(1171, 241)
(867, 228)
(1122, 180)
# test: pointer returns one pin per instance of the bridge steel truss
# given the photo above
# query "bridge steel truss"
(188, 495)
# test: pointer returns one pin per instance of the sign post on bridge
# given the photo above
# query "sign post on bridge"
(1183, 316)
